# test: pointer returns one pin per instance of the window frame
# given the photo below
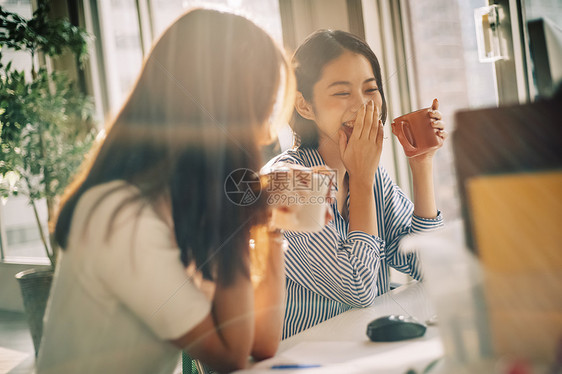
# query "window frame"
(389, 38)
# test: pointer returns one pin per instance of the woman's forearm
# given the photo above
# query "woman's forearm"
(224, 339)
(362, 210)
(269, 297)
(233, 316)
(424, 191)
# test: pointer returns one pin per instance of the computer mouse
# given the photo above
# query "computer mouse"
(394, 328)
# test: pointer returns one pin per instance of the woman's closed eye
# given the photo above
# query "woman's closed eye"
(368, 91)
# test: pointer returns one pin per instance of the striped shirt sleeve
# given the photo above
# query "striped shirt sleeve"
(342, 270)
(400, 221)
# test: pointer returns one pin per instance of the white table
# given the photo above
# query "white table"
(340, 344)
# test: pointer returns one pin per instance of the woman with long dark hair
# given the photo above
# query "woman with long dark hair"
(149, 216)
(338, 123)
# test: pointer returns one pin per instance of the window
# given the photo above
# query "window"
(124, 34)
(265, 13)
(19, 232)
(545, 70)
(446, 66)
(121, 45)
(551, 9)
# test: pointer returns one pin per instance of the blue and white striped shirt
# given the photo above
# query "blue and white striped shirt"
(334, 270)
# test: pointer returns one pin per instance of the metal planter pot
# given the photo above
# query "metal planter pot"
(35, 286)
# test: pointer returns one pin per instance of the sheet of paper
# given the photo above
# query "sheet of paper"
(355, 357)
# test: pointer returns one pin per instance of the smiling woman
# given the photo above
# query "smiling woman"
(340, 93)
(327, 83)
(340, 111)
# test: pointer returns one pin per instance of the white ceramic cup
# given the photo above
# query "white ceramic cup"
(300, 209)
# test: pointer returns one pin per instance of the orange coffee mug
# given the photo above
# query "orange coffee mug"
(415, 133)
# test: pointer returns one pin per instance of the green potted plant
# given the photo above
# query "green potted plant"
(46, 128)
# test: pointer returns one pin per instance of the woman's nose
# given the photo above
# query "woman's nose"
(358, 100)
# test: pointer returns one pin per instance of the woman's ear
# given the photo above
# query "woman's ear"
(303, 107)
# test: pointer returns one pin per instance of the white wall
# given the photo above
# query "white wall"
(311, 15)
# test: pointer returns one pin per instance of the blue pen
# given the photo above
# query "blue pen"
(295, 366)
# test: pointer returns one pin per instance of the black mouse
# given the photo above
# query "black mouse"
(394, 328)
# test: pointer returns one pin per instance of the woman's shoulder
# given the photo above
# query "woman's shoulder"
(109, 194)
(116, 211)
(292, 156)
(299, 156)
(102, 202)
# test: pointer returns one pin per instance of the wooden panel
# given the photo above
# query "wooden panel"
(517, 225)
(521, 138)
(518, 221)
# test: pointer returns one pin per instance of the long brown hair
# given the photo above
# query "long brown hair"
(205, 91)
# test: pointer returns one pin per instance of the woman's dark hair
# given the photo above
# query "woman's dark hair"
(309, 60)
(205, 91)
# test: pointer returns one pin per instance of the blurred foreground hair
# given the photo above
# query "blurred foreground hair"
(203, 102)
